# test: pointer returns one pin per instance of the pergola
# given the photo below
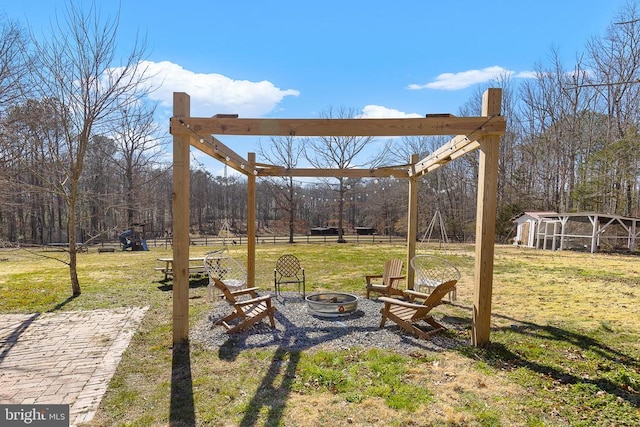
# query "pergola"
(471, 133)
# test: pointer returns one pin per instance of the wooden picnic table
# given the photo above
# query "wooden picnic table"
(196, 267)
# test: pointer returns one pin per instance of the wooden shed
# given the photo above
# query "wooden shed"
(527, 224)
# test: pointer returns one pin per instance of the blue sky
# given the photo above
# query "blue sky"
(297, 58)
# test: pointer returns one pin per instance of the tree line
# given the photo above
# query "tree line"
(83, 159)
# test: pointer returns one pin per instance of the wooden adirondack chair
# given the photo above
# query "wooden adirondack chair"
(407, 314)
(246, 312)
(391, 278)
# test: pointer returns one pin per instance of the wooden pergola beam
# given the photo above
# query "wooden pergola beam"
(396, 172)
(456, 147)
(339, 127)
(219, 151)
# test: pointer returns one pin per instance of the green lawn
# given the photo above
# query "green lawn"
(565, 344)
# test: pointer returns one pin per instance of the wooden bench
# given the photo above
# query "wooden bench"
(194, 270)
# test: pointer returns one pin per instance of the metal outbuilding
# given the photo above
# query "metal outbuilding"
(588, 231)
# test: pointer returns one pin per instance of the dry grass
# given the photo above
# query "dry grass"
(564, 345)
(556, 287)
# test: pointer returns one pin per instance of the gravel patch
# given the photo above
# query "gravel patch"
(297, 329)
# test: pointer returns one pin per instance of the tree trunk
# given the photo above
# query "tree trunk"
(73, 262)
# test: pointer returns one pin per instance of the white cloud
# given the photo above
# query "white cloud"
(465, 79)
(527, 75)
(380, 112)
(213, 93)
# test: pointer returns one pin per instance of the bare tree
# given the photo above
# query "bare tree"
(79, 68)
(615, 69)
(100, 188)
(339, 152)
(409, 145)
(31, 139)
(14, 65)
(615, 63)
(136, 135)
(285, 152)
(13, 69)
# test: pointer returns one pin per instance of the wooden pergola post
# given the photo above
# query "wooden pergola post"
(251, 221)
(412, 221)
(486, 224)
(594, 234)
(180, 207)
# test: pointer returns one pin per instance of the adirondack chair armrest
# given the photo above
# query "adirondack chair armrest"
(368, 277)
(407, 304)
(253, 300)
(394, 282)
(415, 294)
(244, 291)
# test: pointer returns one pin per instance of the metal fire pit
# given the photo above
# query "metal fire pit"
(331, 304)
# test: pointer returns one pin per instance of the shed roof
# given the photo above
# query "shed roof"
(525, 216)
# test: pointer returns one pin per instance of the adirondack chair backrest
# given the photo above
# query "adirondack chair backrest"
(435, 297)
(392, 268)
(222, 288)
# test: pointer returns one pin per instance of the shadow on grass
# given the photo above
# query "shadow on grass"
(60, 305)
(12, 339)
(196, 282)
(501, 356)
(271, 395)
(182, 408)
(268, 393)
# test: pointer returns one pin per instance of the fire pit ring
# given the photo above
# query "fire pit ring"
(331, 304)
